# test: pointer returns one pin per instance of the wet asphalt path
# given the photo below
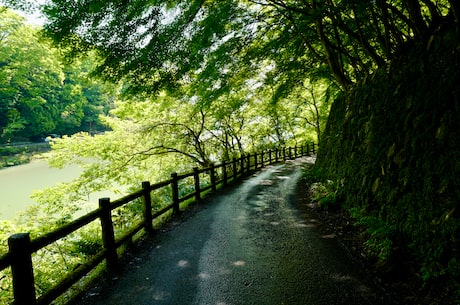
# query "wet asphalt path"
(253, 244)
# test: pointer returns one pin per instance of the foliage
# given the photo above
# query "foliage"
(321, 190)
(159, 45)
(324, 194)
(148, 141)
(209, 80)
(394, 143)
(15, 155)
(38, 94)
(22, 5)
(380, 237)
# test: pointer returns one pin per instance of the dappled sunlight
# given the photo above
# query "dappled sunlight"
(204, 276)
(265, 182)
(303, 225)
(259, 205)
(239, 263)
(329, 236)
(312, 223)
(183, 263)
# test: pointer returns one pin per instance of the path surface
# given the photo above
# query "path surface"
(254, 244)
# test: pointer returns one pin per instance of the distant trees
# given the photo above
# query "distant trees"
(40, 95)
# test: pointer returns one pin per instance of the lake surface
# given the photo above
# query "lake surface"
(18, 182)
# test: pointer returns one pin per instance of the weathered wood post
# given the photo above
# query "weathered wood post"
(248, 164)
(234, 169)
(213, 177)
(284, 153)
(22, 269)
(290, 152)
(295, 151)
(108, 235)
(262, 159)
(196, 180)
(175, 193)
(270, 156)
(242, 166)
(224, 173)
(148, 220)
(313, 148)
(308, 149)
(276, 155)
(255, 161)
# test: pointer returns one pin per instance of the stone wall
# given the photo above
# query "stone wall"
(393, 146)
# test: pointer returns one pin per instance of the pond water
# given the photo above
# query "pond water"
(18, 182)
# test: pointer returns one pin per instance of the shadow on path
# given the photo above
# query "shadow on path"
(253, 244)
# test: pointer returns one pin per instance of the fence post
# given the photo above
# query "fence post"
(234, 169)
(284, 153)
(213, 177)
(196, 180)
(224, 172)
(295, 151)
(22, 269)
(308, 149)
(175, 193)
(148, 220)
(108, 235)
(248, 165)
(262, 159)
(269, 156)
(242, 166)
(290, 152)
(255, 161)
(276, 155)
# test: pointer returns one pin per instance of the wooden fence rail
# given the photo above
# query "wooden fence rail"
(21, 248)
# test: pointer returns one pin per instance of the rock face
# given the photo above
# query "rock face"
(392, 145)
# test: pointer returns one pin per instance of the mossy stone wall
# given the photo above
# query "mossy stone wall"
(393, 144)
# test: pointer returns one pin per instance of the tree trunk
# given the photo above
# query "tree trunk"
(416, 18)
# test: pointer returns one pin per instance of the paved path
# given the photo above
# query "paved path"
(254, 244)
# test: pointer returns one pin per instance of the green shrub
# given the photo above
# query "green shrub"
(325, 193)
(379, 236)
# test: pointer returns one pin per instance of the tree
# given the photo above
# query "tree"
(30, 71)
(22, 5)
(39, 94)
(84, 98)
(157, 44)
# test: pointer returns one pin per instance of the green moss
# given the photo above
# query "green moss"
(394, 141)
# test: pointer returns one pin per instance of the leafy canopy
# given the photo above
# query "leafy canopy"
(163, 44)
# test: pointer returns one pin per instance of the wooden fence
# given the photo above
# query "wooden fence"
(21, 247)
